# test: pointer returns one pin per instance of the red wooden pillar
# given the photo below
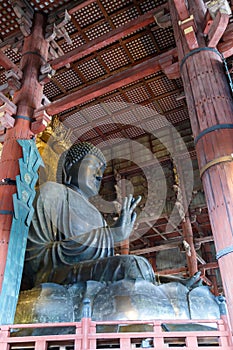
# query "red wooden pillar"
(210, 107)
(27, 99)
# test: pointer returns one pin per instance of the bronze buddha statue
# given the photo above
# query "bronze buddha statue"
(70, 257)
(68, 239)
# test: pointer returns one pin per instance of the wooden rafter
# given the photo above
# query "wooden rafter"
(129, 76)
(104, 40)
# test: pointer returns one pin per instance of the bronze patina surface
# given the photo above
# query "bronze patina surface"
(70, 257)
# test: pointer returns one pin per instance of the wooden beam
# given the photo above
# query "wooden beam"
(169, 244)
(105, 39)
(88, 93)
(207, 266)
(181, 9)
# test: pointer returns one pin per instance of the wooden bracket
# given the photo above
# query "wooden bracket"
(170, 67)
(226, 44)
(162, 19)
(7, 109)
(13, 80)
(41, 120)
(24, 12)
(46, 73)
(217, 29)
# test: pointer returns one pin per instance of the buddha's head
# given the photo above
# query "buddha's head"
(83, 167)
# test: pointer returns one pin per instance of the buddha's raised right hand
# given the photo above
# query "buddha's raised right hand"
(124, 224)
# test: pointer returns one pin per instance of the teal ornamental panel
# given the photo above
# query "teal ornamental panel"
(23, 211)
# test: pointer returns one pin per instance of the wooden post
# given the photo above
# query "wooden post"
(210, 107)
(27, 99)
(191, 256)
(188, 237)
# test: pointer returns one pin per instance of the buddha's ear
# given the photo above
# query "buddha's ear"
(66, 178)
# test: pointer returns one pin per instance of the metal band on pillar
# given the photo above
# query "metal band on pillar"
(23, 117)
(219, 160)
(6, 212)
(211, 129)
(224, 251)
(189, 54)
(34, 53)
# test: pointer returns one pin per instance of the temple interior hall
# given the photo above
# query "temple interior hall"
(149, 83)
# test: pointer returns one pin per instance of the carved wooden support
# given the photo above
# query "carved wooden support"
(7, 109)
(41, 120)
(226, 44)
(46, 73)
(162, 19)
(24, 12)
(58, 30)
(13, 80)
(170, 67)
(217, 29)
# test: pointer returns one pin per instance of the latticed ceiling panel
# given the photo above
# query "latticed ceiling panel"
(95, 112)
(141, 47)
(170, 102)
(98, 30)
(148, 5)
(115, 103)
(164, 37)
(51, 90)
(88, 15)
(162, 85)
(107, 126)
(47, 6)
(75, 120)
(125, 16)
(178, 116)
(13, 55)
(2, 78)
(77, 41)
(91, 69)
(115, 5)
(138, 94)
(7, 19)
(68, 79)
(127, 117)
(115, 58)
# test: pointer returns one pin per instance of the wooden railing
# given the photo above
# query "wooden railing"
(124, 335)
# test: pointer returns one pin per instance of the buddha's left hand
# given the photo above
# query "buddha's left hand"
(124, 225)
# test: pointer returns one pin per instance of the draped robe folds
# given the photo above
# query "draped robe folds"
(69, 240)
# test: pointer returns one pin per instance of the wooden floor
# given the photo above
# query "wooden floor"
(124, 335)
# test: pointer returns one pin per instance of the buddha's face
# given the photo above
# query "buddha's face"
(87, 175)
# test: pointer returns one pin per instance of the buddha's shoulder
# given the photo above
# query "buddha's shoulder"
(52, 188)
